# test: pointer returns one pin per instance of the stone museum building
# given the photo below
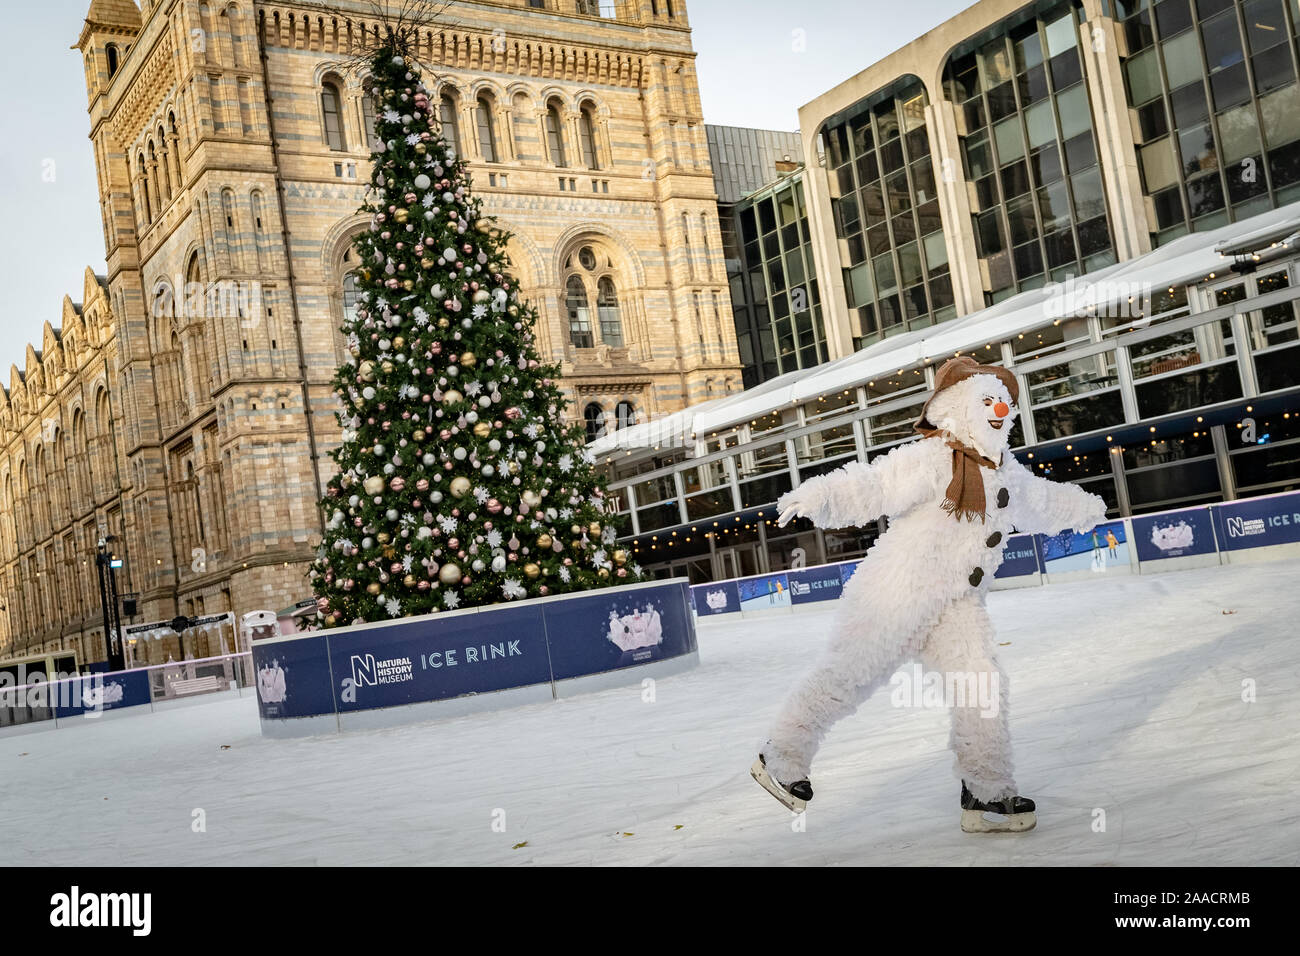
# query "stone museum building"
(180, 407)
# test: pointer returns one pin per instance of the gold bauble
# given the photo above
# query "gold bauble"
(408, 284)
(401, 215)
(593, 529)
(409, 580)
(576, 529)
(576, 544)
(427, 263)
(366, 371)
(372, 587)
(373, 485)
(603, 573)
(532, 570)
(418, 434)
(544, 541)
(451, 397)
(443, 323)
(482, 429)
(365, 274)
(399, 342)
(387, 368)
(461, 486)
(390, 552)
(421, 149)
(468, 360)
(383, 537)
(620, 556)
(513, 468)
(531, 498)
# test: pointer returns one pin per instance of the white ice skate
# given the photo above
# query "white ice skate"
(1013, 815)
(796, 797)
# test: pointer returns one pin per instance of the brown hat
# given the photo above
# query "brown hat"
(959, 369)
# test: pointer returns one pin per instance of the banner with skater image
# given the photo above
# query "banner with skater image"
(720, 598)
(293, 678)
(1173, 534)
(764, 592)
(1103, 547)
(94, 694)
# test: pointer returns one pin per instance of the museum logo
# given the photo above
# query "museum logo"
(370, 672)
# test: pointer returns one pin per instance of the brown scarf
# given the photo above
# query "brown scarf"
(965, 495)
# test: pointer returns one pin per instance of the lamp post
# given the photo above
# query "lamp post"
(107, 563)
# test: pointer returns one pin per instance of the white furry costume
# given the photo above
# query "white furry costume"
(920, 591)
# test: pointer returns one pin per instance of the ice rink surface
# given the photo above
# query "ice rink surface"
(1126, 700)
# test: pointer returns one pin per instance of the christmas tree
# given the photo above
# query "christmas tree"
(458, 483)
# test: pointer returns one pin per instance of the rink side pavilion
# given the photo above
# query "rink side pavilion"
(1170, 379)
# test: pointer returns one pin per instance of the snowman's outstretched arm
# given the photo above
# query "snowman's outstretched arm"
(858, 493)
(1040, 506)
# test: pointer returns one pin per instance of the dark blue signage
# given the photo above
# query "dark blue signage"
(720, 598)
(1019, 557)
(607, 630)
(1174, 534)
(823, 583)
(1257, 522)
(94, 694)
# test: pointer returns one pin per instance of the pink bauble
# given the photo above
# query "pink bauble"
(494, 506)
(422, 484)
(398, 483)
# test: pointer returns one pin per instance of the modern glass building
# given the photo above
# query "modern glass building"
(1103, 196)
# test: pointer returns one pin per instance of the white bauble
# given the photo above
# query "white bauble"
(449, 253)
(488, 471)
(373, 485)
(484, 401)
(449, 573)
(367, 543)
(494, 445)
(478, 566)
(422, 181)
(389, 469)
(429, 459)
(436, 497)
(368, 393)
(459, 454)
(391, 514)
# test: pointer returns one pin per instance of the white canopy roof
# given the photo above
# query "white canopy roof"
(1181, 261)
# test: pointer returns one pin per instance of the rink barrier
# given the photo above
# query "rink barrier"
(442, 665)
(1249, 529)
(74, 700)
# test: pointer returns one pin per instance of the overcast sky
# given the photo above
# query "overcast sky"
(759, 61)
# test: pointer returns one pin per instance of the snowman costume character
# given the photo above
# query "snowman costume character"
(953, 498)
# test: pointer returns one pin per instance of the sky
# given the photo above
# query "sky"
(759, 61)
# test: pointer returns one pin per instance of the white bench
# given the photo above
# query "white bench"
(197, 685)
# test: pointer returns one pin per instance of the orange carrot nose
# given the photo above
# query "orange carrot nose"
(1001, 409)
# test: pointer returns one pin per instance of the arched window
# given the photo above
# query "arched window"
(332, 112)
(447, 116)
(625, 413)
(522, 116)
(595, 419)
(487, 137)
(579, 313)
(259, 228)
(145, 206)
(587, 132)
(611, 323)
(164, 165)
(231, 13)
(555, 134)
(369, 100)
(350, 297)
(110, 52)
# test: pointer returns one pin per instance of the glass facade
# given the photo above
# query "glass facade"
(1112, 403)
(1213, 86)
(1030, 153)
(774, 293)
(886, 212)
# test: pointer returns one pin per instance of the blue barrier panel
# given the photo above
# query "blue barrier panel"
(1174, 534)
(1096, 550)
(101, 692)
(821, 583)
(720, 598)
(1019, 557)
(293, 677)
(1258, 522)
(763, 592)
(607, 630)
(847, 569)
(438, 656)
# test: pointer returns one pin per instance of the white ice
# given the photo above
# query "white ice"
(1126, 695)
